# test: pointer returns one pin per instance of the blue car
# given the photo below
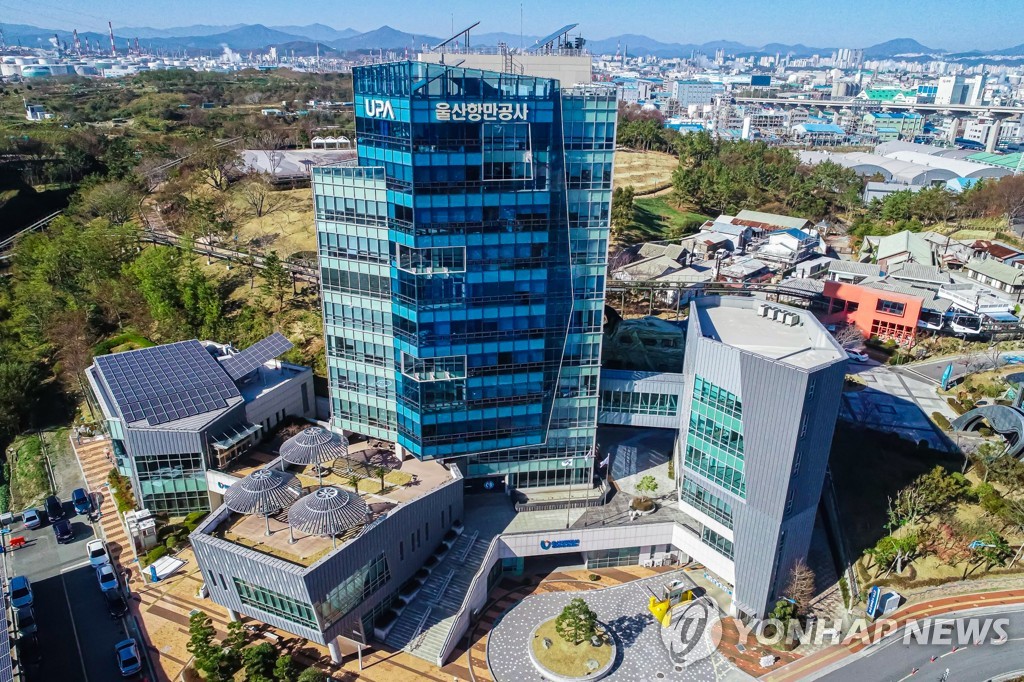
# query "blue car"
(80, 499)
(21, 591)
(128, 661)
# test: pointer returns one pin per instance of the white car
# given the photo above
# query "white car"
(857, 356)
(106, 577)
(97, 552)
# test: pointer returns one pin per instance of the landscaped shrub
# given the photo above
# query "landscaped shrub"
(955, 404)
(154, 554)
(941, 421)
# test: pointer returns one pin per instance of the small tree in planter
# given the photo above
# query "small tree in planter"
(645, 487)
(577, 622)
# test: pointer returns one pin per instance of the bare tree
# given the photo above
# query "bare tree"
(271, 143)
(970, 356)
(848, 335)
(994, 356)
(258, 194)
(801, 587)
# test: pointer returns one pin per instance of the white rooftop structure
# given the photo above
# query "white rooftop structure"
(285, 164)
(789, 335)
(960, 168)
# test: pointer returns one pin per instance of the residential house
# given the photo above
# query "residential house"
(997, 275)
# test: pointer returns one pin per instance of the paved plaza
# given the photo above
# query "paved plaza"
(899, 403)
(645, 648)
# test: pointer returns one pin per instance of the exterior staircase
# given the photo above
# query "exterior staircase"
(426, 621)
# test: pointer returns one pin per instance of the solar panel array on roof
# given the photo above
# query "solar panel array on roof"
(165, 383)
(242, 363)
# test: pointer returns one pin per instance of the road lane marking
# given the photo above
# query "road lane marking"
(74, 567)
(74, 628)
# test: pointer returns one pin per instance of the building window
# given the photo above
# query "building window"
(803, 425)
(890, 307)
(789, 501)
(609, 558)
(275, 604)
(796, 463)
(717, 542)
(354, 590)
(630, 402)
(701, 498)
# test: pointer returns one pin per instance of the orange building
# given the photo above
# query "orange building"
(875, 312)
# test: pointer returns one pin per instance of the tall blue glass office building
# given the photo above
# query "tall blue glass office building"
(463, 265)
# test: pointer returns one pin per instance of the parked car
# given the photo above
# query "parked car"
(25, 618)
(21, 591)
(80, 499)
(127, 653)
(63, 531)
(106, 577)
(97, 552)
(857, 356)
(31, 518)
(116, 605)
(54, 508)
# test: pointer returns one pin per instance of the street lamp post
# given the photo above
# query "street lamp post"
(359, 646)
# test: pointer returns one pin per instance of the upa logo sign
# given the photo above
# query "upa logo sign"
(379, 108)
(559, 544)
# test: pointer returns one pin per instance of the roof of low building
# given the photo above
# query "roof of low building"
(919, 272)
(1000, 272)
(849, 267)
(904, 242)
(772, 219)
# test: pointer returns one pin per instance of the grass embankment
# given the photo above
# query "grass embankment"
(30, 482)
(645, 171)
(288, 230)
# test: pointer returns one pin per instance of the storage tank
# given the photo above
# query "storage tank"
(35, 72)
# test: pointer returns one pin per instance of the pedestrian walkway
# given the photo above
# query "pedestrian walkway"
(835, 654)
(95, 459)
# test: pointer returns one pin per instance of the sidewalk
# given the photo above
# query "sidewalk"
(799, 670)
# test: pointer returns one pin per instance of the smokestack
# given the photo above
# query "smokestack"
(113, 48)
(78, 43)
(137, 50)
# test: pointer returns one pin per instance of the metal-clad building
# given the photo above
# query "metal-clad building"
(175, 411)
(763, 384)
(340, 594)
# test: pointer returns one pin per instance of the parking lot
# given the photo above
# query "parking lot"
(76, 634)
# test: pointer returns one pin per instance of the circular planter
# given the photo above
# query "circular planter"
(643, 512)
(598, 674)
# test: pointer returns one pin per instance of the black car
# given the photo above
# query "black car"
(63, 531)
(54, 508)
(116, 605)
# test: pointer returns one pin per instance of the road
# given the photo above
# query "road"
(892, 660)
(932, 369)
(76, 634)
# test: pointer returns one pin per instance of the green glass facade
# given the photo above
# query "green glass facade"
(354, 590)
(714, 436)
(262, 599)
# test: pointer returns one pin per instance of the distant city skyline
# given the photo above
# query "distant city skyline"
(942, 24)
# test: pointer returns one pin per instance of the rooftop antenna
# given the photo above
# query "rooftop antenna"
(464, 32)
(522, 40)
(554, 40)
(113, 48)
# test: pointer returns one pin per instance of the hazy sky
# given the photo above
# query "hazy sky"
(949, 24)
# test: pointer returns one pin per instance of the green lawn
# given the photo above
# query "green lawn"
(657, 219)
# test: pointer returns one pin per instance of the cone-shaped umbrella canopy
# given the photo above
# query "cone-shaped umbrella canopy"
(327, 511)
(314, 445)
(264, 491)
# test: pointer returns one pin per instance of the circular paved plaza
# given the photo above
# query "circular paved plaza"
(646, 651)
